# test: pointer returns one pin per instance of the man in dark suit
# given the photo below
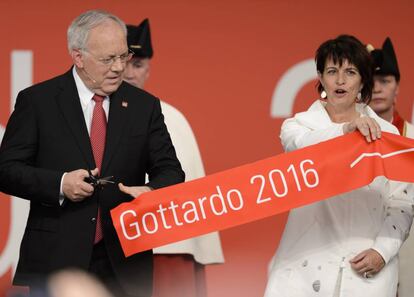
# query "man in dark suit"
(82, 123)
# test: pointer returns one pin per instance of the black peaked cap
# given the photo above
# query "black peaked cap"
(139, 39)
(385, 60)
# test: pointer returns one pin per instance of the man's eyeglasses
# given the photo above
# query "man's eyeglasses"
(125, 57)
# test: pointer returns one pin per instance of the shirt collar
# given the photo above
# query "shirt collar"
(85, 94)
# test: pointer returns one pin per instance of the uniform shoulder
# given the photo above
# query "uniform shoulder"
(173, 112)
(411, 126)
(409, 129)
(385, 125)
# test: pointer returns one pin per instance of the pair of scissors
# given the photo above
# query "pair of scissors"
(99, 182)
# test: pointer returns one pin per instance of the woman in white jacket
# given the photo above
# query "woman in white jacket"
(346, 246)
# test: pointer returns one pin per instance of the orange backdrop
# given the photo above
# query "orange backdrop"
(219, 63)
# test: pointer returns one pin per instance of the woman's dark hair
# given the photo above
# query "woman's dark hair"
(347, 48)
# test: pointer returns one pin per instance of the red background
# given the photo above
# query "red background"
(218, 62)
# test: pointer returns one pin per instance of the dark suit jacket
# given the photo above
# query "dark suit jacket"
(46, 136)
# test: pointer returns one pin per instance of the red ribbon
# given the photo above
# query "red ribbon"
(261, 189)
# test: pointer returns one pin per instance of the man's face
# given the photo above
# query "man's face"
(102, 63)
(384, 93)
(137, 71)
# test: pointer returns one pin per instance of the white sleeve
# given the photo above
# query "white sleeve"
(294, 135)
(61, 195)
(397, 223)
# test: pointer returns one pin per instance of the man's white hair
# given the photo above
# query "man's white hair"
(79, 30)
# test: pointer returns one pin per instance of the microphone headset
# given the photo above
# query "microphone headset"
(90, 77)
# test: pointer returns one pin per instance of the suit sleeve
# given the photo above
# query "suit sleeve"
(164, 169)
(19, 175)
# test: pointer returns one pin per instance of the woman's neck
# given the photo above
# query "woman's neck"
(339, 114)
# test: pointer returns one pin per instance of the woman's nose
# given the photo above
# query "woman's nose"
(340, 80)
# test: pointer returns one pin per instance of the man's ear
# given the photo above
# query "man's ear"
(77, 58)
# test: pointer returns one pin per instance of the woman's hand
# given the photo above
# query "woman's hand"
(133, 191)
(367, 126)
(367, 263)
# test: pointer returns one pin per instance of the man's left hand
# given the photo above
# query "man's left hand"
(367, 263)
(134, 191)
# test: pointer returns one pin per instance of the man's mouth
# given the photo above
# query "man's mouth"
(113, 79)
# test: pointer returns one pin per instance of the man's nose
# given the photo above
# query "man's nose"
(127, 71)
(118, 65)
(377, 87)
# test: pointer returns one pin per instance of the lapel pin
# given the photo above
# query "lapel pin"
(124, 104)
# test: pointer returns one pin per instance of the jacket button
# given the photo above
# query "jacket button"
(93, 220)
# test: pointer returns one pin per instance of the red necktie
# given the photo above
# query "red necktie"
(98, 135)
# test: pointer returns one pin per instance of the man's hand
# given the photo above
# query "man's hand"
(367, 263)
(74, 187)
(133, 191)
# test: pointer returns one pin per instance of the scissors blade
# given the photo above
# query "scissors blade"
(106, 180)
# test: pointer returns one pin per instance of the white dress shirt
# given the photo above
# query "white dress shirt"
(87, 104)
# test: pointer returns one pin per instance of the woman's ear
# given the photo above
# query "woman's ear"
(320, 79)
